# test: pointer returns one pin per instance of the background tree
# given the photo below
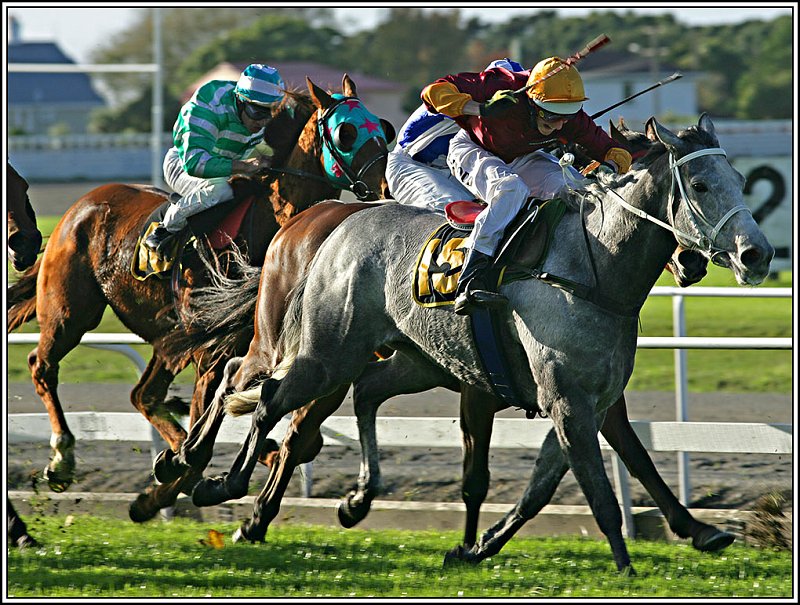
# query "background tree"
(747, 66)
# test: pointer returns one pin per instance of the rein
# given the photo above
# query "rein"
(703, 243)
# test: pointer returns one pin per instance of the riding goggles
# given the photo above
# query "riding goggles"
(549, 116)
(257, 112)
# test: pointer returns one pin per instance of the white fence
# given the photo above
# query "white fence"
(680, 436)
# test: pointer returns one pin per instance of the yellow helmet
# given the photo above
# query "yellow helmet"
(562, 93)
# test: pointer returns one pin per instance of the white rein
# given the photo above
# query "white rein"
(704, 242)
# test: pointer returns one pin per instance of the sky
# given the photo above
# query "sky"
(80, 31)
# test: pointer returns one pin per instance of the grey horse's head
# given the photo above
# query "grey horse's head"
(708, 202)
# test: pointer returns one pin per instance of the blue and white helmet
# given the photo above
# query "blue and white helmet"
(507, 64)
(260, 84)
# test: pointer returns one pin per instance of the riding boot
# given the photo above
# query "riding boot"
(476, 286)
(160, 239)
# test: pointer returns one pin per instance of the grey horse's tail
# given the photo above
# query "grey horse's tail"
(245, 402)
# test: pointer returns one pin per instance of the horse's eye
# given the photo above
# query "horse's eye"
(699, 186)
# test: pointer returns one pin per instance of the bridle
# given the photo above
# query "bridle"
(352, 181)
(708, 232)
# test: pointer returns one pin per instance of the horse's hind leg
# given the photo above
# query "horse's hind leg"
(620, 435)
(17, 530)
(548, 470)
(302, 443)
(148, 397)
(61, 327)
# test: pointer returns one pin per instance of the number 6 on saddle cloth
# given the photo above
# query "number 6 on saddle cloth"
(439, 265)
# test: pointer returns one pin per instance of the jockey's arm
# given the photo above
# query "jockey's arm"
(445, 98)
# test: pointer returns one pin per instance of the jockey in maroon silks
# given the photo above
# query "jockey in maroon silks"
(507, 120)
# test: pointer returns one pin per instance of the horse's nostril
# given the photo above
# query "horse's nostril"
(751, 256)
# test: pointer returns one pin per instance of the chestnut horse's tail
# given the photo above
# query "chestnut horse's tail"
(245, 402)
(21, 298)
(219, 317)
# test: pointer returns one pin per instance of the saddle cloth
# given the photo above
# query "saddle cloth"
(525, 243)
(222, 223)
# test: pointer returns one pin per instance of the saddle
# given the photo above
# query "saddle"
(524, 244)
(220, 224)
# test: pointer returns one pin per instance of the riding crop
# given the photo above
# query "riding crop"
(594, 45)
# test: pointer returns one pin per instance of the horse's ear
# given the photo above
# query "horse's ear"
(705, 123)
(321, 98)
(615, 133)
(657, 132)
(348, 87)
(388, 130)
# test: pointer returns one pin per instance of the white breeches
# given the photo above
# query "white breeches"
(197, 194)
(417, 184)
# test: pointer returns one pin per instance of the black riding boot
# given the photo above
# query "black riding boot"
(476, 286)
(160, 239)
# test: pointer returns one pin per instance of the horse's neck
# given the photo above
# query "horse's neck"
(630, 252)
(290, 193)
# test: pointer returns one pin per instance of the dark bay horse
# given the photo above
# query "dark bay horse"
(225, 310)
(86, 267)
(23, 237)
(24, 241)
(683, 187)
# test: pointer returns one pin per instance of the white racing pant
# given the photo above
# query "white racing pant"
(197, 194)
(504, 187)
(418, 184)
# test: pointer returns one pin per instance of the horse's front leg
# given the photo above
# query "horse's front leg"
(577, 431)
(148, 396)
(399, 374)
(620, 435)
(477, 417)
(197, 449)
(302, 443)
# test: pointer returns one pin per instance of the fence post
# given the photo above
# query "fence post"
(681, 394)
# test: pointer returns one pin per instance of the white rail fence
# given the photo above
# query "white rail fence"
(681, 436)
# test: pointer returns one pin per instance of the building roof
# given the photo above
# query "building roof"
(50, 88)
(294, 76)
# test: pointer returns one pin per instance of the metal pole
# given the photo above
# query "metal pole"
(157, 112)
(681, 394)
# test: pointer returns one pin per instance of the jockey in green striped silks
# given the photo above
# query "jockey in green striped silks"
(216, 131)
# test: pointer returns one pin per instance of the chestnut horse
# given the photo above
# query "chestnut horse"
(24, 241)
(286, 263)
(23, 236)
(86, 267)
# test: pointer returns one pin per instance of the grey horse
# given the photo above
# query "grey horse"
(573, 348)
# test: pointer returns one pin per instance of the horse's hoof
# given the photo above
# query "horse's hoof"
(211, 491)
(628, 571)
(240, 535)
(56, 481)
(712, 540)
(166, 467)
(142, 509)
(26, 541)
(460, 556)
(349, 515)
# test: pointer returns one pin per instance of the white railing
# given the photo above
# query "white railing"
(514, 433)
(682, 436)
